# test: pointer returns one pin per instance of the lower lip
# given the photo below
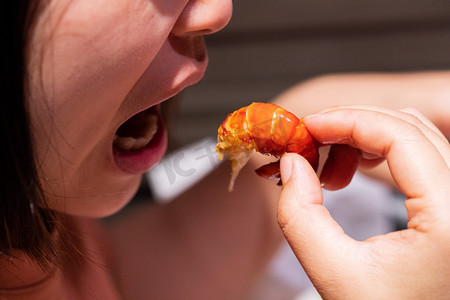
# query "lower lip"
(138, 162)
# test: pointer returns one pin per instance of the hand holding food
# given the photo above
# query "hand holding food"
(268, 129)
(407, 264)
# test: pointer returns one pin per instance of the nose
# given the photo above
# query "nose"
(203, 17)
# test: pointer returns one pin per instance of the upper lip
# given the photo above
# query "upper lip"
(190, 46)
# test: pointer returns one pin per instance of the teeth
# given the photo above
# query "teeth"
(137, 143)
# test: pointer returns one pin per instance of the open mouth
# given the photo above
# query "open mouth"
(138, 131)
(140, 142)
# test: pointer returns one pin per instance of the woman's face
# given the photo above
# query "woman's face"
(93, 65)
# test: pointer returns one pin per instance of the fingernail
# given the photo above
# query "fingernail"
(286, 165)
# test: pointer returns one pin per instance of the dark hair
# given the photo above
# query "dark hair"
(25, 222)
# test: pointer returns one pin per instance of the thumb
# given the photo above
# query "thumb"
(319, 243)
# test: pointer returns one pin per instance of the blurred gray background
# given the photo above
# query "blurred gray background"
(271, 45)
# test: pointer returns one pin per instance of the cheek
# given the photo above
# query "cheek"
(79, 69)
(95, 48)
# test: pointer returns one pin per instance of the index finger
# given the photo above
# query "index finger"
(415, 163)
